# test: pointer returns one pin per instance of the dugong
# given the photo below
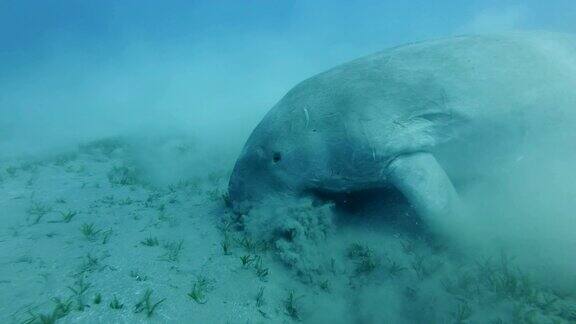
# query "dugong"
(420, 118)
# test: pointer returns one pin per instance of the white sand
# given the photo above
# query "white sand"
(397, 279)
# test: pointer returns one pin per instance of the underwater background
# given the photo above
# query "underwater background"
(120, 122)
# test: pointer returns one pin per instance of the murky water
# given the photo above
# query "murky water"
(121, 124)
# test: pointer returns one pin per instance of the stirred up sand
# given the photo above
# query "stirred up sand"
(116, 231)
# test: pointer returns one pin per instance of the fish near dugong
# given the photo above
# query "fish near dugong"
(418, 118)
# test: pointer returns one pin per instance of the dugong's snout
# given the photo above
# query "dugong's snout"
(238, 194)
(244, 186)
(256, 178)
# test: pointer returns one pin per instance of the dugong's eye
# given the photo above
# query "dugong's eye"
(276, 157)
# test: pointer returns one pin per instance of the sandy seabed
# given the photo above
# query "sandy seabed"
(114, 232)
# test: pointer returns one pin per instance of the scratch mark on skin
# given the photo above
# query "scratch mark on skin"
(397, 122)
(307, 117)
(346, 132)
(368, 139)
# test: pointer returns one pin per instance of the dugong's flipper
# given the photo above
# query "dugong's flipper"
(428, 189)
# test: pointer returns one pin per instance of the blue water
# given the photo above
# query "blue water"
(121, 122)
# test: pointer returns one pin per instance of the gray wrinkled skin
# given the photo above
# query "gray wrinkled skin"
(419, 117)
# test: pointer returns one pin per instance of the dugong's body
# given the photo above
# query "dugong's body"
(419, 117)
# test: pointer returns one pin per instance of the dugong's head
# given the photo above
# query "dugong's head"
(270, 164)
